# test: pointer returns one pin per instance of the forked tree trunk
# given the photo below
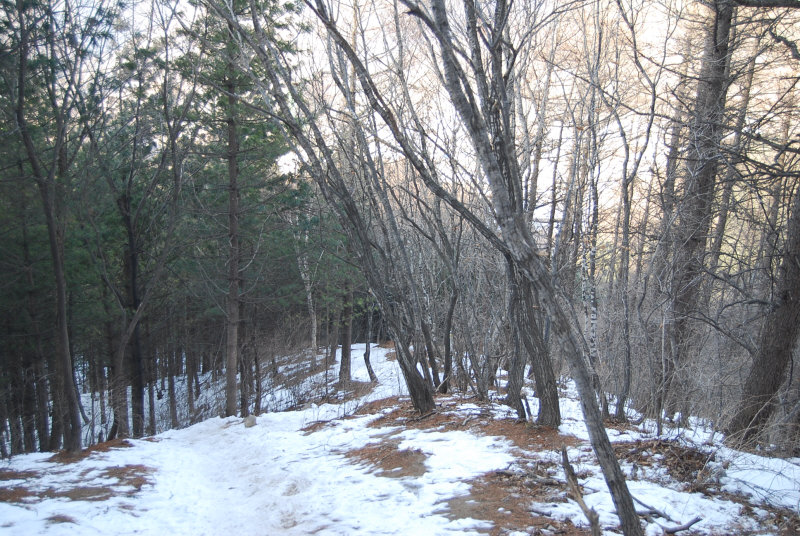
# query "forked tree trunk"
(532, 349)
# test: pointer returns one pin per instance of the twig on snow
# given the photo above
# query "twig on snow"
(651, 510)
(572, 481)
(685, 526)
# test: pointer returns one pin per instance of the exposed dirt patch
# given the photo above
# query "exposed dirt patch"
(391, 461)
(60, 518)
(135, 475)
(502, 498)
(80, 493)
(72, 457)
(352, 390)
(17, 494)
(405, 415)
(525, 436)
(129, 480)
(377, 406)
(529, 437)
(316, 426)
(7, 474)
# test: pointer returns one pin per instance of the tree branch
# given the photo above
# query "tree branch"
(791, 4)
(791, 45)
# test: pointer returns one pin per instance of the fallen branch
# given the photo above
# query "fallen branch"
(422, 417)
(685, 526)
(651, 510)
(572, 482)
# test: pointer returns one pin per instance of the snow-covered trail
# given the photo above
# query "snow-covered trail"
(294, 473)
(219, 477)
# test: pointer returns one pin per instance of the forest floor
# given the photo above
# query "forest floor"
(365, 463)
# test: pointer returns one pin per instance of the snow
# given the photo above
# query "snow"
(283, 476)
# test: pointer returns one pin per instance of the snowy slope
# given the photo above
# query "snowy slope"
(295, 473)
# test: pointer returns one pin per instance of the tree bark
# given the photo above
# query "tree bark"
(777, 340)
(233, 300)
(694, 212)
(532, 350)
(347, 336)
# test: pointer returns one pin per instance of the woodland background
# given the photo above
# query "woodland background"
(601, 189)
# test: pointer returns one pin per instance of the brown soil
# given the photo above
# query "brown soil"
(7, 474)
(502, 498)
(316, 426)
(71, 457)
(60, 518)
(377, 406)
(353, 390)
(524, 435)
(528, 436)
(127, 476)
(390, 461)
(17, 494)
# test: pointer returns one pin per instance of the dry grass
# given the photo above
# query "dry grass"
(60, 518)
(390, 461)
(7, 474)
(129, 480)
(16, 494)
(502, 498)
(72, 457)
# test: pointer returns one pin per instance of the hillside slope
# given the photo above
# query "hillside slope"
(369, 465)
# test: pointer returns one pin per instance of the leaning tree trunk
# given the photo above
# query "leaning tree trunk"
(368, 340)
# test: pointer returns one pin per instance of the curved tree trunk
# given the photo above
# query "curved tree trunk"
(777, 340)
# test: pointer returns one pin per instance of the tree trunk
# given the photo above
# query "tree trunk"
(368, 340)
(419, 390)
(624, 277)
(233, 299)
(347, 336)
(777, 339)
(430, 350)
(305, 275)
(172, 358)
(694, 217)
(533, 350)
(448, 351)
(66, 408)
